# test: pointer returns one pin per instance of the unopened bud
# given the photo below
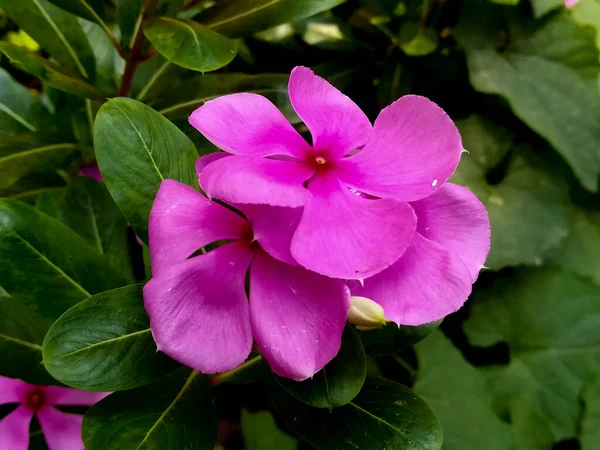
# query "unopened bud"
(365, 314)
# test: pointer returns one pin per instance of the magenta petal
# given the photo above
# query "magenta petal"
(336, 124)
(342, 235)
(237, 179)
(12, 390)
(199, 310)
(66, 396)
(14, 429)
(62, 431)
(273, 228)
(248, 124)
(182, 221)
(92, 171)
(297, 316)
(426, 284)
(414, 148)
(456, 219)
(205, 160)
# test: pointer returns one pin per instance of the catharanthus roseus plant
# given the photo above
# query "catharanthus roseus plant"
(297, 225)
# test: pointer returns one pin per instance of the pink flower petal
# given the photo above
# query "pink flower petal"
(248, 124)
(273, 228)
(454, 218)
(62, 431)
(297, 316)
(414, 148)
(57, 395)
(92, 171)
(571, 3)
(426, 284)
(12, 390)
(336, 124)
(14, 429)
(342, 235)
(182, 221)
(199, 310)
(205, 160)
(237, 179)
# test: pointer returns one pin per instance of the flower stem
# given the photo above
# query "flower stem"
(223, 377)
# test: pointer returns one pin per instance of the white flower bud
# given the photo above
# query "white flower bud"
(365, 314)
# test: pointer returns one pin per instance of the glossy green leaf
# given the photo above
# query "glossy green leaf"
(528, 205)
(385, 415)
(129, 18)
(88, 9)
(183, 98)
(30, 152)
(50, 203)
(547, 81)
(459, 396)
(137, 148)
(541, 7)
(105, 344)
(29, 187)
(189, 44)
(339, 381)
(590, 428)
(417, 41)
(392, 338)
(239, 18)
(175, 412)
(550, 319)
(50, 72)
(90, 211)
(57, 31)
(109, 64)
(260, 432)
(20, 110)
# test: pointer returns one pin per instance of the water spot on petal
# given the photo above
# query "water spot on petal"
(434, 183)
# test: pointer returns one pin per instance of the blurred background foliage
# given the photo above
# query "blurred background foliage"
(519, 366)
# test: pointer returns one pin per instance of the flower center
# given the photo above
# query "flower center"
(320, 160)
(36, 398)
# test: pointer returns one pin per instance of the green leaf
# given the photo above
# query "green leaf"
(550, 319)
(175, 412)
(20, 111)
(328, 32)
(50, 203)
(417, 41)
(385, 415)
(541, 7)
(58, 32)
(50, 72)
(180, 100)
(189, 44)
(392, 338)
(137, 148)
(88, 9)
(129, 16)
(109, 64)
(105, 344)
(527, 206)
(459, 396)
(30, 152)
(339, 381)
(261, 432)
(29, 187)
(239, 18)
(590, 427)
(547, 81)
(90, 211)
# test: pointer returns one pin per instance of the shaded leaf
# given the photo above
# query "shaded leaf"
(129, 17)
(105, 344)
(136, 149)
(527, 206)
(58, 32)
(261, 432)
(392, 338)
(459, 396)
(49, 72)
(239, 18)
(29, 187)
(175, 412)
(20, 111)
(50, 203)
(88, 9)
(590, 428)
(339, 381)
(384, 415)
(190, 45)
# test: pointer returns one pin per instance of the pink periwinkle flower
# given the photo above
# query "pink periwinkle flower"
(571, 3)
(199, 311)
(353, 184)
(62, 431)
(92, 171)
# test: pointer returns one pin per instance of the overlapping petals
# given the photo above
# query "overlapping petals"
(62, 431)
(198, 307)
(434, 277)
(410, 152)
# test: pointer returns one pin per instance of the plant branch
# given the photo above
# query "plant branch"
(135, 57)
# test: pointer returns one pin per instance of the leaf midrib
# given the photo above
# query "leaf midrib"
(17, 117)
(245, 13)
(21, 342)
(37, 150)
(185, 387)
(100, 343)
(181, 23)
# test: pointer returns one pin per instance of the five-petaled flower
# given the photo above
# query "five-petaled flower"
(62, 431)
(198, 307)
(354, 183)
